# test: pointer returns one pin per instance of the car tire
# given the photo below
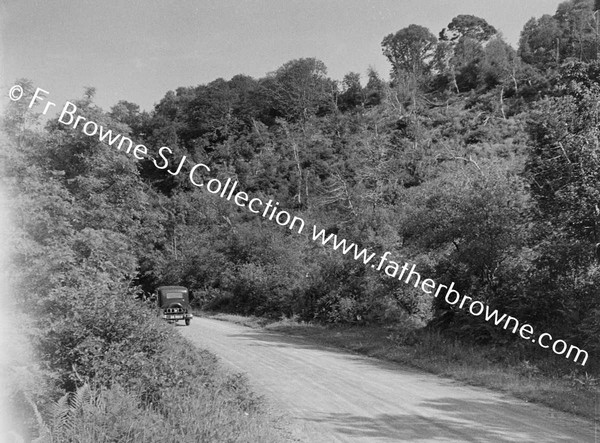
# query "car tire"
(187, 321)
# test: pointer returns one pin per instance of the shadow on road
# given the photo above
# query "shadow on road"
(265, 338)
(444, 418)
(463, 425)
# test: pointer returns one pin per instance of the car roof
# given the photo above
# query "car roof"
(170, 288)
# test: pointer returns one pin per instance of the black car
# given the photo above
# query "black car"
(173, 303)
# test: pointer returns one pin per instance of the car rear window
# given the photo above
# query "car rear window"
(174, 294)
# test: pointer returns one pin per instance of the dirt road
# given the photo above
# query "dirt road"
(333, 396)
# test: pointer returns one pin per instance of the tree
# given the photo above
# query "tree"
(539, 42)
(563, 166)
(299, 89)
(469, 219)
(461, 50)
(579, 28)
(563, 169)
(468, 26)
(500, 65)
(129, 114)
(352, 94)
(573, 32)
(410, 50)
(374, 88)
(210, 113)
(465, 62)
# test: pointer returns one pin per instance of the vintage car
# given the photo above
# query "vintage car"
(173, 303)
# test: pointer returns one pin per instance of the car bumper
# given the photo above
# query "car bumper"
(175, 317)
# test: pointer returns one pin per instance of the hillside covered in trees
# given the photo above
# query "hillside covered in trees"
(478, 162)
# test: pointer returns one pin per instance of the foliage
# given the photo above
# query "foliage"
(468, 26)
(410, 50)
(476, 162)
(563, 170)
(85, 219)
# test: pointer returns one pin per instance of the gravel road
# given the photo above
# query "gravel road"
(335, 396)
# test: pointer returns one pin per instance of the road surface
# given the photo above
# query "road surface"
(335, 396)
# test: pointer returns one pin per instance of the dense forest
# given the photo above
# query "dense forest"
(475, 161)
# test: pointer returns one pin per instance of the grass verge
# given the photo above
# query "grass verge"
(147, 385)
(576, 393)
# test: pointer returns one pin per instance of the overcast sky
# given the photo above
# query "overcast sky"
(138, 50)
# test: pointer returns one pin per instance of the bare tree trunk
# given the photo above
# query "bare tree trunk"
(514, 78)
(297, 160)
(175, 242)
(502, 103)
(454, 81)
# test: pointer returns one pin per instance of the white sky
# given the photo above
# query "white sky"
(138, 50)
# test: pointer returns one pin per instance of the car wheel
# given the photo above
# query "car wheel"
(187, 321)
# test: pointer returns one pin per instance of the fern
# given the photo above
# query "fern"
(82, 395)
(60, 412)
(63, 413)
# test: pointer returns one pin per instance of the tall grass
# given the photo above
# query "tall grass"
(190, 414)
(186, 396)
(151, 386)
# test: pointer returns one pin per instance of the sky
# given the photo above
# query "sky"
(138, 50)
